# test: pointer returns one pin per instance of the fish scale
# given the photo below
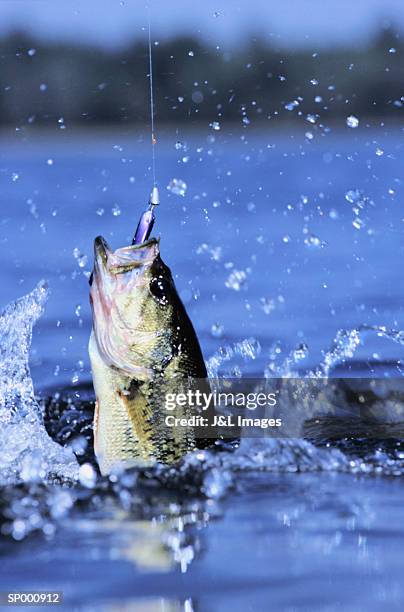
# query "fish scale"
(142, 346)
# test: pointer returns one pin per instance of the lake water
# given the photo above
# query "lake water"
(278, 242)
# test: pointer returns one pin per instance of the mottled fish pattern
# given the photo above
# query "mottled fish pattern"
(142, 346)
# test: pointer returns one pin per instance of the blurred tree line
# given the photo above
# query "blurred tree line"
(45, 83)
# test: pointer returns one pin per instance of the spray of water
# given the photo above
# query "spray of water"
(30, 461)
(27, 453)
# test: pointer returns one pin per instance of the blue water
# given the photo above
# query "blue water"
(314, 231)
(354, 279)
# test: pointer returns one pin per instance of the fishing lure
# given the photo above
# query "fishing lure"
(146, 221)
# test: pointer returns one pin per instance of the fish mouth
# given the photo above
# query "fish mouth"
(124, 258)
(117, 276)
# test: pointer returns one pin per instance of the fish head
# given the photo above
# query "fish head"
(133, 297)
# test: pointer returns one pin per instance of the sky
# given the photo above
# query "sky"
(289, 22)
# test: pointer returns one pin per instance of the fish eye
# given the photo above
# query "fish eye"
(159, 288)
(90, 280)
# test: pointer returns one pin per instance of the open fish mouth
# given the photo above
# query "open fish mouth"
(124, 258)
(119, 286)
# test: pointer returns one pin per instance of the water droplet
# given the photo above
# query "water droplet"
(358, 223)
(353, 195)
(236, 280)
(81, 259)
(191, 53)
(300, 352)
(215, 253)
(290, 106)
(215, 125)
(15, 176)
(392, 50)
(177, 187)
(248, 349)
(313, 241)
(379, 152)
(352, 121)
(43, 87)
(313, 82)
(87, 475)
(33, 208)
(50, 162)
(100, 211)
(116, 211)
(217, 330)
(268, 305)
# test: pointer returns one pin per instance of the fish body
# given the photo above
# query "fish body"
(142, 346)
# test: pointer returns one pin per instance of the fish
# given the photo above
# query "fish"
(142, 346)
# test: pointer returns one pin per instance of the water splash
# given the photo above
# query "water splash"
(27, 453)
(247, 349)
(343, 348)
(345, 344)
(287, 368)
(29, 459)
(347, 341)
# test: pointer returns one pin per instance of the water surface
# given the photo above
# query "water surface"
(278, 243)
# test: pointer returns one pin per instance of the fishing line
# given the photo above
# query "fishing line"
(147, 219)
(153, 137)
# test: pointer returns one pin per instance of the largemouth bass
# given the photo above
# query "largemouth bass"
(142, 346)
